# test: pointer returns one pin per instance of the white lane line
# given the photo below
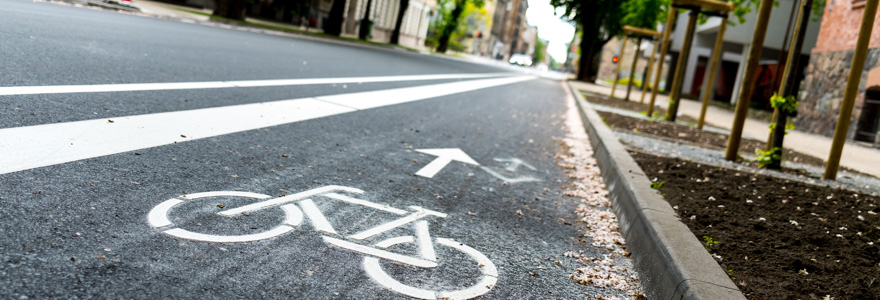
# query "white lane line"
(37, 146)
(130, 87)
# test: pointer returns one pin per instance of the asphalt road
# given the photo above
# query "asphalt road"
(91, 226)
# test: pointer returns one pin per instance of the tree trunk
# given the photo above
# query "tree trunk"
(230, 9)
(450, 27)
(333, 26)
(395, 35)
(366, 22)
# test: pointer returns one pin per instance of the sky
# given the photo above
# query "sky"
(550, 27)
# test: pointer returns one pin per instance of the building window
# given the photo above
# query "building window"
(858, 3)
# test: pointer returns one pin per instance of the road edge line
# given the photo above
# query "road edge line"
(671, 262)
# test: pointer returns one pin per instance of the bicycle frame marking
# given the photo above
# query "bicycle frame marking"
(298, 207)
(306, 208)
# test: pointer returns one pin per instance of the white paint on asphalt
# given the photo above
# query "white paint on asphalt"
(213, 238)
(290, 198)
(131, 87)
(50, 144)
(514, 163)
(444, 157)
(382, 207)
(158, 217)
(483, 285)
(421, 263)
(318, 220)
(424, 237)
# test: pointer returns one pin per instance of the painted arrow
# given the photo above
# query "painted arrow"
(444, 157)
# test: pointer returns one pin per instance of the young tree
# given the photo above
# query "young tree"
(451, 22)
(602, 20)
(540, 48)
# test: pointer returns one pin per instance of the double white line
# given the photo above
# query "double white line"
(24, 148)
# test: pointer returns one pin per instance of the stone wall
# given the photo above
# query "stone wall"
(821, 91)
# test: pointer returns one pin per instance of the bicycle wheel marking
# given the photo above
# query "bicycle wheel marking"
(158, 218)
(483, 286)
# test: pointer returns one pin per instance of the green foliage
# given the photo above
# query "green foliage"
(709, 243)
(787, 105)
(645, 13)
(744, 7)
(449, 25)
(539, 51)
(637, 83)
(657, 184)
(766, 158)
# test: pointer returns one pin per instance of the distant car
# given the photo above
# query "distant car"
(520, 59)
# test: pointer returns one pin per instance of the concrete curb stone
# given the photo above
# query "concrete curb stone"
(671, 262)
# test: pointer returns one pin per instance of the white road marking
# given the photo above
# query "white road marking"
(382, 207)
(289, 198)
(201, 237)
(158, 216)
(444, 157)
(424, 237)
(318, 220)
(514, 163)
(225, 193)
(421, 263)
(509, 179)
(50, 144)
(418, 214)
(130, 87)
(483, 286)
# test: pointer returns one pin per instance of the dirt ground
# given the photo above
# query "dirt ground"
(777, 239)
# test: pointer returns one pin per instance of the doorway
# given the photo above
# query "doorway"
(870, 117)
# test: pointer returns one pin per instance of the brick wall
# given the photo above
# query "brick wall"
(840, 26)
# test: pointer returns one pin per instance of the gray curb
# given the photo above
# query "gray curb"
(671, 262)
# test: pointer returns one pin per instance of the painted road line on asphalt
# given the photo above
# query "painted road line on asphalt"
(37, 146)
(130, 87)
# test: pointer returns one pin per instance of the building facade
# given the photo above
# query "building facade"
(508, 24)
(821, 91)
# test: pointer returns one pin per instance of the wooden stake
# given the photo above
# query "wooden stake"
(747, 84)
(713, 68)
(852, 89)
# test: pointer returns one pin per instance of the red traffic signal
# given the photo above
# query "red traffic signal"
(615, 59)
(479, 35)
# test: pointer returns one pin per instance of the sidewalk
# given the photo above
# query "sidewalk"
(856, 157)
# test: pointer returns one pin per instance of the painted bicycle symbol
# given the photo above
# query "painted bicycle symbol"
(299, 206)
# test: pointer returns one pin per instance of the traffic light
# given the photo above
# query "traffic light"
(479, 35)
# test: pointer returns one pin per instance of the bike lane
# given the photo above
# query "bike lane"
(92, 227)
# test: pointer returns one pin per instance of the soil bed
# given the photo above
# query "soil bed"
(778, 239)
(633, 106)
(692, 135)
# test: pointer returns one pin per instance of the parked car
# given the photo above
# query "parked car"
(520, 59)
